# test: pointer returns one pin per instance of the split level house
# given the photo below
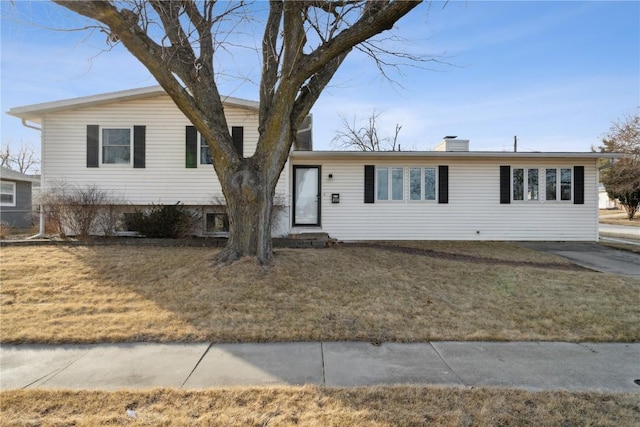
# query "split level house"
(137, 145)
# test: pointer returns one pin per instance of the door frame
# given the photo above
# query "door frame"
(319, 196)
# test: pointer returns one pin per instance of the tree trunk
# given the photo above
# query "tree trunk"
(249, 198)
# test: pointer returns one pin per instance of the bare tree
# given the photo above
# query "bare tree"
(622, 177)
(24, 160)
(365, 137)
(303, 44)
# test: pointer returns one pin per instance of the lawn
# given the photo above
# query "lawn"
(317, 406)
(618, 217)
(405, 292)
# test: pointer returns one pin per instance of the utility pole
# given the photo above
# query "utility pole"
(515, 143)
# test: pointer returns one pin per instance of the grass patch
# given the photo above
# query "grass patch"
(618, 217)
(316, 406)
(59, 294)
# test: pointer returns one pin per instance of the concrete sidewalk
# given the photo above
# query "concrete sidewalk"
(609, 367)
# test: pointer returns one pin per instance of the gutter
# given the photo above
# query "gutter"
(41, 230)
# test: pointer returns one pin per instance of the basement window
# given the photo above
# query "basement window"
(216, 223)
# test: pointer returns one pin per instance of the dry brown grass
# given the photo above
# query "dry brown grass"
(618, 217)
(59, 294)
(316, 406)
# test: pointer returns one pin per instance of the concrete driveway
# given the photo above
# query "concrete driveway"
(593, 256)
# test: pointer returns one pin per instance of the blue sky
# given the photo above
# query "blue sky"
(556, 74)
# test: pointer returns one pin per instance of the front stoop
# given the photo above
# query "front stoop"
(303, 240)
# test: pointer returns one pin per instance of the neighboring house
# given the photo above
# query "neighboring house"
(137, 145)
(16, 198)
(604, 201)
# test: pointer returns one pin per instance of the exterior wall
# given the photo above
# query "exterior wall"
(164, 179)
(474, 211)
(19, 215)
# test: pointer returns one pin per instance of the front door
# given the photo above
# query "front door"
(306, 195)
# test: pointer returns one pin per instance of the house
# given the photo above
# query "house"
(137, 145)
(16, 198)
(604, 201)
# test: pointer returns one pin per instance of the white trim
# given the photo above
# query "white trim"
(558, 198)
(390, 169)
(422, 199)
(382, 156)
(14, 195)
(101, 147)
(34, 112)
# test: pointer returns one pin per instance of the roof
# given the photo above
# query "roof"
(375, 155)
(35, 111)
(8, 174)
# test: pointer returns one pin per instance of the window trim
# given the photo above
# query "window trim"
(422, 174)
(558, 170)
(390, 198)
(200, 146)
(214, 233)
(14, 195)
(101, 147)
(525, 184)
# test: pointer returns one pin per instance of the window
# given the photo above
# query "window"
(551, 184)
(532, 184)
(555, 180)
(205, 152)
(422, 184)
(518, 184)
(390, 185)
(116, 146)
(216, 222)
(565, 184)
(7, 193)
(528, 188)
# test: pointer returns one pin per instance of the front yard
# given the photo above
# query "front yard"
(435, 291)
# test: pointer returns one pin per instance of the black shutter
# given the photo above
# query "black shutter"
(578, 185)
(237, 135)
(139, 144)
(191, 147)
(369, 183)
(505, 184)
(443, 184)
(93, 146)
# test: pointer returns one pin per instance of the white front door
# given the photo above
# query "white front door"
(306, 195)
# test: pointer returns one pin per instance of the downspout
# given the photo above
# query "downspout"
(41, 229)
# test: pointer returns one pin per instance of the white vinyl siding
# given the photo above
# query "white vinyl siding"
(473, 212)
(164, 178)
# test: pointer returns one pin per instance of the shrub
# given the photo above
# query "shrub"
(163, 221)
(81, 210)
(5, 228)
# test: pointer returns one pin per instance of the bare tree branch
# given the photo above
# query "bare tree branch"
(365, 137)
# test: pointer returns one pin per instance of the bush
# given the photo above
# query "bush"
(162, 222)
(81, 210)
(5, 229)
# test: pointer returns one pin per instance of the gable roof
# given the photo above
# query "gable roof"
(11, 175)
(34, 112)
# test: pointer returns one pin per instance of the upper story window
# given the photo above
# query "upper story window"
(422, 183)
(205, 152)
(116, 146)
(389, 183)
(526, 185)
(7, 193)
